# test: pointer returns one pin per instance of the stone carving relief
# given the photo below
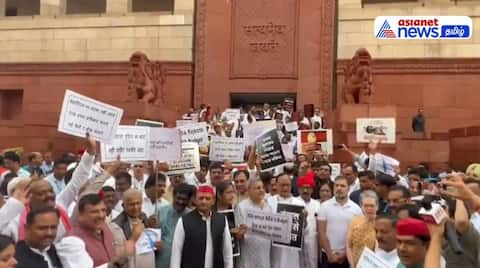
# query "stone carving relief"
(358, 85)
(145, 80)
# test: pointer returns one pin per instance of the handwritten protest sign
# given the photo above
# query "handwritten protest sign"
(315, 140)
(231, 115)
(369, 259)
(148, 123)
(81, 114)
(224, 148)
(132, 143)
(165, 144)
(230, 216)
(271, 226)
(381, 129)
(270, 150)
(296, 231)
(189, 162)
(195, 133)
(146, 241)
(251, 131)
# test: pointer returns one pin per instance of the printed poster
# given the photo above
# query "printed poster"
(381, 129)
(315, 140)
(298, 221)
(269, 148)
(230, 216)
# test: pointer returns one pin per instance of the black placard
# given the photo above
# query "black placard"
(298, 222)
(270, 150)
(229, 214)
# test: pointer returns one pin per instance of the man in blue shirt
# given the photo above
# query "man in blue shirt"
(57, 178)
(168, 217)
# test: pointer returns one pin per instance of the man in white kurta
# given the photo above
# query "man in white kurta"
(254, 249)
(283, 257)
(309, 253)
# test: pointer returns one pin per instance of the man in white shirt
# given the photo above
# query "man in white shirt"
(385, 229)
(333, 222)
(138, 176)
(202, 237)
(154, 190)
(309, 254)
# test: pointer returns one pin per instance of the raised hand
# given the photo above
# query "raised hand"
(90, 145)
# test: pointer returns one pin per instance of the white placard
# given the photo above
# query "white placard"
(146, 241)
(381, 129)
(132, 143)
(336, 170)
(165, 144)
(184, 122)
(291, 127)
(224, 148)
(252, 131)
(368, 259)
(231, 114)
(148, 123)
(272, 226)
(81, 114)
(197, 133)
(189, 162)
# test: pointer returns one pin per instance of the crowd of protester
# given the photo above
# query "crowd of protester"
(77, 212)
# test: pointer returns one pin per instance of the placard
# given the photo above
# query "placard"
(271, 226)
(291, 127)
(197, 133)
(230, 216)
(296, 230)
(251, 131)
(184, 122)
(148, 123)
(380, 129)
(336, 170)
(132, 143)
(315, 140)
(188, 163)
(224, 148)
(270, 150)
(165, 144)
(146, 241)
(81, 114)
(369, 259)
(231, 114)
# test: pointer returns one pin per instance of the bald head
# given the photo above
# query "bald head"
(42, 194)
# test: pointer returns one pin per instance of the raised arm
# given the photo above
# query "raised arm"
(80, 175)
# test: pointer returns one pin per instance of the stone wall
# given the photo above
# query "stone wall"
(355, 29)
(114, 35)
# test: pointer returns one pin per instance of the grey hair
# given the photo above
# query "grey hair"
(368, 194)
(252, 182)
(131, 193)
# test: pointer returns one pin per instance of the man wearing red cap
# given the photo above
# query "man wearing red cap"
(202, 237)
(309, 254)
(413, 239)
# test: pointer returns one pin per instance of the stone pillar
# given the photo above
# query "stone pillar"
(3, 4)
(53, 7)
(119, 6)
(184, 6)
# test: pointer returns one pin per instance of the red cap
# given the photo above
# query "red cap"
(412, 227)
(307, 180)
(205, 189)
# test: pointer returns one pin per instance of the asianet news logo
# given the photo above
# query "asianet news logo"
(423, 27)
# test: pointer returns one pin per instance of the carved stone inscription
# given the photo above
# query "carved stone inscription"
(264, 39)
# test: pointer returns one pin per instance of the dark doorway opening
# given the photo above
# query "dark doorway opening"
(258, 99)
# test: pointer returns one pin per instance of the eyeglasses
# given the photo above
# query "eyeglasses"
(138, 166)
